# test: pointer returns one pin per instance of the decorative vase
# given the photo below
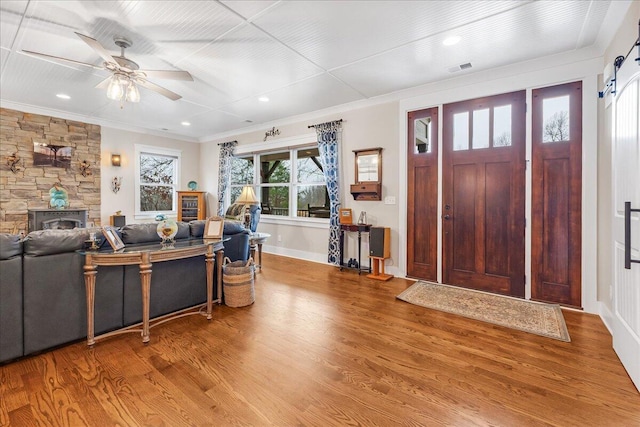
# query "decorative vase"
(166, 229)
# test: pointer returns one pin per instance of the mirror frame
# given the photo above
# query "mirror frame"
(368, 152)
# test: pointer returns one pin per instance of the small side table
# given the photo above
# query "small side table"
(257, 239)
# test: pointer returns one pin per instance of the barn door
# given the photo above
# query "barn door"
(422, 194)
(626, 225)
(484, 192)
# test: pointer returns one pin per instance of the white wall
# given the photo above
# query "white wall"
(115, 141)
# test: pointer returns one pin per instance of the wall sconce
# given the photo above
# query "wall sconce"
(115, 186)
(115, 160)
(12, 162)
(84, 168)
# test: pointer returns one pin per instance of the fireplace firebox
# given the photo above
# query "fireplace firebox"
(45, 219)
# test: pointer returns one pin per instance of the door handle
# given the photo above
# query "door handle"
(627, 235)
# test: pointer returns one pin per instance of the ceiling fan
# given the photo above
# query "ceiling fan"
(125, 73)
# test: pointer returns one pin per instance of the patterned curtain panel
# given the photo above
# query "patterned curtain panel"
(329, 136)
(224, 172)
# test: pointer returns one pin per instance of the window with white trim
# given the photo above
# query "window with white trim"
(288, 182)
(157, 178)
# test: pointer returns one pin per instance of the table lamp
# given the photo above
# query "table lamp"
(248, 197)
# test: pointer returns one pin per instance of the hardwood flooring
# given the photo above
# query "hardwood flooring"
(322, 347)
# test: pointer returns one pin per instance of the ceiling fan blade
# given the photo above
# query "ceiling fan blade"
(104, 84)
(154, 87)
(95, 45)
(167, 74)
(57, 58)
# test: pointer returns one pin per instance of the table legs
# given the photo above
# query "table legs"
(145, 280)
(90, 272)
(209, 264)
(252, 250)
(219, 262)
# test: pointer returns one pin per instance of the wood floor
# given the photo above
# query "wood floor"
(322, 347)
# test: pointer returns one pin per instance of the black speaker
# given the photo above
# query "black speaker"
(118, 220)
(380, 242)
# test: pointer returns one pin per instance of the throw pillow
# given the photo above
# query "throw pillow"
(236, 212)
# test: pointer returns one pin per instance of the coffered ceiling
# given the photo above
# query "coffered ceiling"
(303, 55)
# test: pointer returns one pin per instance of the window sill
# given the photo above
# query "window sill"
(296, 221)
(152, 216)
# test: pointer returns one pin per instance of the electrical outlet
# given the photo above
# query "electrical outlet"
(279, 238)
(389, 200)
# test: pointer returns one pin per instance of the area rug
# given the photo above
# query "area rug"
(528, 316)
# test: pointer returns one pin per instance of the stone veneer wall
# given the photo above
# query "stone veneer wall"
(28, 188)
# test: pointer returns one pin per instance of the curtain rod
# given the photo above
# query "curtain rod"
(222, 143)
(333, 122)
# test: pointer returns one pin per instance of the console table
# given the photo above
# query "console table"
(144, 256)
(358, 228)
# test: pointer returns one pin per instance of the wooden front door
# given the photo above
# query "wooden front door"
(556, 205)
(422, 194)
(484, 193)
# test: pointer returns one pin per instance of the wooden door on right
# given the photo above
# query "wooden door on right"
(556, 199)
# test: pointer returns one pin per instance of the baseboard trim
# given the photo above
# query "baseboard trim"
(315, 257)
(606, 315)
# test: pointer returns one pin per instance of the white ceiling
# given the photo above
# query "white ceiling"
(303, 55)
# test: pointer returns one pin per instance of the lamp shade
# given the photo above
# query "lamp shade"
(248, 196)
(115, 160)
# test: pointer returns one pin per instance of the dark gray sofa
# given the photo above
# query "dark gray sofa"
(10, 297)
(42, 291)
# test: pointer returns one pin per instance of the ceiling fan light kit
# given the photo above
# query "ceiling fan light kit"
(126, 75)
(121, 88)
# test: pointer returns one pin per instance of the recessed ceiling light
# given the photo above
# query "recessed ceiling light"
(450, 41)
(63, 96)
(185, 124)
(263, 99)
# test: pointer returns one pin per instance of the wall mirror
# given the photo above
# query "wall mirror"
(368, 165)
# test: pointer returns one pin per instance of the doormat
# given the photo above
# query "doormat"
(528, 316)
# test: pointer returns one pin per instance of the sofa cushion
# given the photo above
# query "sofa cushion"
(196, 228)
(140, 233)
(10, 245)
(230, 227)
(49, 242)
(146, 233)
(233, 227)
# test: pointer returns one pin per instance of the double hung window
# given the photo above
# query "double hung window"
(157, 177)
(288, 182)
